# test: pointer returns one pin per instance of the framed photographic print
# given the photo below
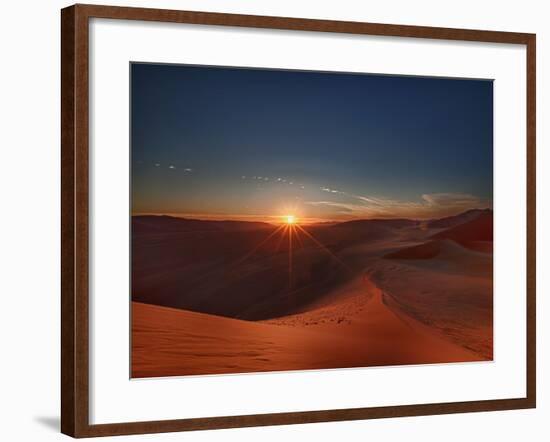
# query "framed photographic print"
(275, 220)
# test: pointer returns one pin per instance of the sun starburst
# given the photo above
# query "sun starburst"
(290, 219)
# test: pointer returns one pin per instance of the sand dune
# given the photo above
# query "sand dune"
(358, 332)
(451, 292)
(144, 224)
(224, 298)
(426, 250)
(470, 233)
(242, 273)
(455, 220)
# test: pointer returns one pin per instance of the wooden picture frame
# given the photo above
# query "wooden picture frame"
(75, 219)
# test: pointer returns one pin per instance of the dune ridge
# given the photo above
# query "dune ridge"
(354, 333)
(361, 293)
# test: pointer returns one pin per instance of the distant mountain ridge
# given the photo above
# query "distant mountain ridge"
(166, 223)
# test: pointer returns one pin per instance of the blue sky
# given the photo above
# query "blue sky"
(254, 143)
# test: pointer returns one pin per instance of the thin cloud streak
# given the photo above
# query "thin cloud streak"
(430, 206)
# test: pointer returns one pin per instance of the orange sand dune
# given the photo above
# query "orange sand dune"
(426, 250)
(451, 292)
(478, 229)
(356, 330)
(220, 297)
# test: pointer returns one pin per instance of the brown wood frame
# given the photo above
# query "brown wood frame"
(74, 220)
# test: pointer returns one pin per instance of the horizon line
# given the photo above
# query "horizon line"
(275, 219)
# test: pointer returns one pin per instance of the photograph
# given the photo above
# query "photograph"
(305, 220)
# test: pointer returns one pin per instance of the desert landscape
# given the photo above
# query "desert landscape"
(212, 297)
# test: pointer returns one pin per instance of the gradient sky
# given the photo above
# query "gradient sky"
(257, 144)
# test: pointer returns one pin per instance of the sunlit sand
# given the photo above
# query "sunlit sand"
(246, 298)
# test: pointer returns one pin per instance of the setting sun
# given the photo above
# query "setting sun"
(290, 219)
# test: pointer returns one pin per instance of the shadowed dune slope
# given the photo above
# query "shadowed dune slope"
(478, 229)
(422, 251)
(455, 220)
(226, 269)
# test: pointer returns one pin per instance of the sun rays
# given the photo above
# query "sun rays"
(296, 238)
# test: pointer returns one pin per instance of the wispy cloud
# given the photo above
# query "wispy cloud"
(455, 199)
(340, 207)
(428, 206)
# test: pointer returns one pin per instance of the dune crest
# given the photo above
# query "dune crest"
(354, 333)
(230, 297)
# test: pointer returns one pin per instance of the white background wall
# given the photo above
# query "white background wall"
(29, 218)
